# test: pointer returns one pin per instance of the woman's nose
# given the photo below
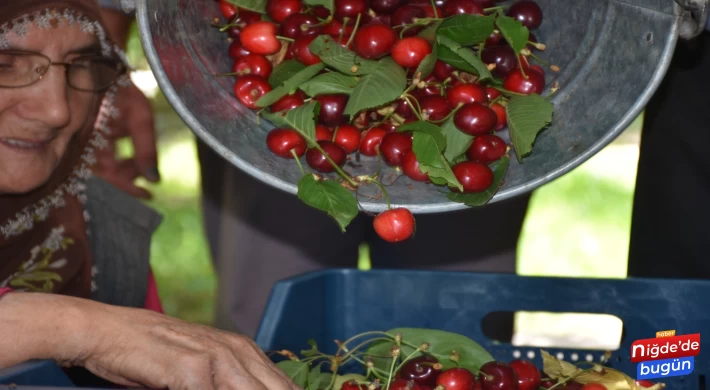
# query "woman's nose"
(52, 103)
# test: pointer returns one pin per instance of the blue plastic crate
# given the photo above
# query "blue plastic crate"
(337, 304)
(34, 373)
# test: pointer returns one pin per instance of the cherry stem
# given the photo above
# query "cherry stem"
(433, 6)
(298, 161)
(418, 108)
(505, 91)
(384, 191)
(337, 168)
(228, 26)
(357, 347)
(352, 36)
(227, 74)
(342, 30)
(285, 39)
(522, 70)
(452, 113)
(493, 9)
(389, 378)
(410, 357)
(371, 333)
(494, 101)
(480, 50)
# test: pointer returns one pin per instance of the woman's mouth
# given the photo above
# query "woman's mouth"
(24, 144)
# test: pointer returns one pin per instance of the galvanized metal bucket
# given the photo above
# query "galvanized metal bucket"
(613, 55)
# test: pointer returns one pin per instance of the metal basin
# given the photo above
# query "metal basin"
(613, 55)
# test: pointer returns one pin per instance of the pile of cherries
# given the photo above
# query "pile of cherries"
(384, 28)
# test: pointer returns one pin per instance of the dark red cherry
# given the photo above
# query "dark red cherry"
(475, 119)
(467, 93)
(501, 115)
(279, 10)
(394, 146)
(347, 137)
(300, 25)
(442, 70)
(331, 109)
(287, 103)
(236, 50)
(282, 140)
(497, 375)
(526, 12)
(374, 41)
(385, 6)
(436, 107)
(320, 12)
(317, 160)
(421, 369)
(503, 57)
(516, 82)
(405, 15)
(410, 167)
(528, 375)
(323, 133)
(371, 140)
(349, 9)
(457, 378)
(458, 7)
(486, 148)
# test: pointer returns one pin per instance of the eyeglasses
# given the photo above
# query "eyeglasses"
(89, 73)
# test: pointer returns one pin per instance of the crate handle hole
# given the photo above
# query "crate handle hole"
(701, 382)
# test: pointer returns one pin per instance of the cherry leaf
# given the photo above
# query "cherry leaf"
(514, 32)
(284, 71)
(328, 196)
(330, 83)
(482, 198)
(384, 84)
(431, 130)
(467, 30)
(296, 370)
(428, 142)
(252, 5)
(318, 380)
(457, 142)
(429, 33)
(427, 64)
(461, 57)
(340, 58)
(325, 3)
(289, 85)
(301, 119)
(527, 116)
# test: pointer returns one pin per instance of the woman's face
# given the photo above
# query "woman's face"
(38, 122)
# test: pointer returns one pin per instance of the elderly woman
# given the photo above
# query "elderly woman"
(74, 273)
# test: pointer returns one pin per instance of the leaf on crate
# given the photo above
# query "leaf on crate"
(296, 370)
(467, 30)
(301, 119)
(252, 5)
(527, 116)
(325, 3)
(340, 379)
(328, 196)
(427, 65)
(471, 355)
(514, 32)
(457, 142)
(461, 57)
(484, 197)
(290, 85)
(384, 84)
(330, 83)
(340, 58)
(284, 71)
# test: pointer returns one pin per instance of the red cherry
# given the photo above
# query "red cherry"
(467, 93)
(492, 93)
(395, 225)
(403, 384)
(432, 87)
(260, 38)
(410, 51)
(501, 115)
(302, 52)
(594, 386)
(458, 7)
(254, 64)
(320, 12)
(403, 109)
(503, 57)
(645, 383)
(381, 19)
(496, 375)
(335, 28)
(475, 119)
(528, 375)
(548, 383)
(374, 41)
(348, 138)
(405, 15)
(485, 3)
(473, 176)
(394, 146)
(421, 369)
(300, 25)
(323, 133)
(516, 82)
(349, 9)
(331, 109)
(494, 39)
(279, 10)
(429, 11)
(282, 141)
(456, 379)
(435, 106)
(352, 385)
(526, 12)
(371, 139)
(317, 160)
(228, 9)
(385, 6)
(287, 103)
(236, 50)
(486, 148)
(410, 167)
(442, 70)
(250, 88)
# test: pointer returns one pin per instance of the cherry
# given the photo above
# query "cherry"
(493, 375)
(331, 109)
(352, 385)
(492, 93)
(236, 50)
(503, 57)
(410, 167)
(486, 149)
(501, 115)
(645, 383)
(287, 103)
(485, 3)
(320, 11)
(349, 9)
(317, 160)
(436, 107)
(371, 139)
(403, 384)
(250, 88)
(279, 10)
(374, 41)
(432, 86)
(393, 147)
(254, 64)
(457, 378)
(475, 119)
(395, 225)
(442, 70)
(571, 385)
(528, 375)
(300, 25)
(384, 19)
(260, 38)
(403, 109)
(335, 28)
(494, 39)
(548, 383)
(420, 369)
(228, 10)
(385, 6)
(323, 133)
(388, 127)
(405, 15)
(302, 52)
(516, 82)
(347, 137)
(526, 12)
(475, 177)
(429, 11)
(410, 51)
(457, 7)
(281, 141)
(467, 93)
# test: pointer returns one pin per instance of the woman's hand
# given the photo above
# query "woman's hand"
(135, 347)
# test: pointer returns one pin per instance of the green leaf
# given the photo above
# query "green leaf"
(329, 83)
(438, 180)
(310, 352)
(428, 143)
(326, 3)
(427, 64)
(514, 32)
(318, 380)
(424, 128)
(457, 142)
(384, 84)
(481, 198)
(527, 116)
(443, 172)
(284, 71)
(301, 119)
(471, 355)
(340, 379)
(330, 197)
(289, 85)
(429, 33)
(340, 58)
(252, 5)
(467, 30)
(461, 57)
(296, 370)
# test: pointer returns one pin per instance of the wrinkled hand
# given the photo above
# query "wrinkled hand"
(135, 347)
(136, 122)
